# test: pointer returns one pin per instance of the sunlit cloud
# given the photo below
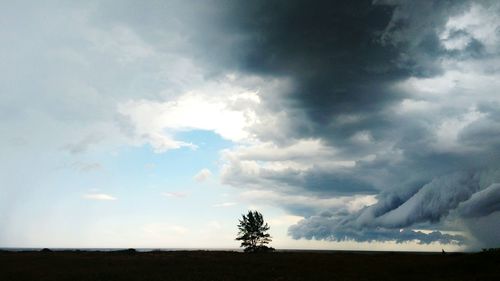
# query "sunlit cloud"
(99, 197)
(174, 194)
(202, 175)
(224, 205)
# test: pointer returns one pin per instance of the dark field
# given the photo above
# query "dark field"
(208, 265)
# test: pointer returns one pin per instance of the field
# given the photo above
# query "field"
(218, 265)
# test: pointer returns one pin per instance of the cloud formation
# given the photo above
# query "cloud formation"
(202, 175)
(394, 98)
(482, 203)
(99, 197)
(224, 205)
(174, 194)
(328, 228)
(373, 120)
(218, 107)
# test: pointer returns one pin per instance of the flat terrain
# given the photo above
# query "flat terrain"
(213, 265)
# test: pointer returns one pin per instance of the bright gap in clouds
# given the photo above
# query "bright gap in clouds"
(225, 109)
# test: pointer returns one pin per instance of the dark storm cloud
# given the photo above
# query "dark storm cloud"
(315, 181)
(331, 49)
(341, 55)
(466, 194)
(482, 203)
(324, 182)
(344, 59)
(332, 228)
(409, 207)
(485, 132)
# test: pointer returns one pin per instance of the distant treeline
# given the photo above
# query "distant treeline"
(491, 250)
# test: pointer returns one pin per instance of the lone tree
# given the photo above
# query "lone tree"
(253, 233)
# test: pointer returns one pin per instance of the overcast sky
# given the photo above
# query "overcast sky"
(348, 124)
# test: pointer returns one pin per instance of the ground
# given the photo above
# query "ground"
(218, 265)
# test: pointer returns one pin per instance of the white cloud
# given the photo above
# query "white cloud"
(162, 143)
(479, 22)
(414, 106)
(231, 106)
(221, 107)
(224, 205)
(99, 196)
(174, 194)
(362, 137)
(203, 175)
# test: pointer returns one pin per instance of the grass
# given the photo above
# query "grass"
(218, 265)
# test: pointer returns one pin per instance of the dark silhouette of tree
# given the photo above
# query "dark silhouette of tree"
(253, 233)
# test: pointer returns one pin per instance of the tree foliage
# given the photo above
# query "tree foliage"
(253, 233)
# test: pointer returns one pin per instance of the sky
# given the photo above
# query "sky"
(351, 125)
